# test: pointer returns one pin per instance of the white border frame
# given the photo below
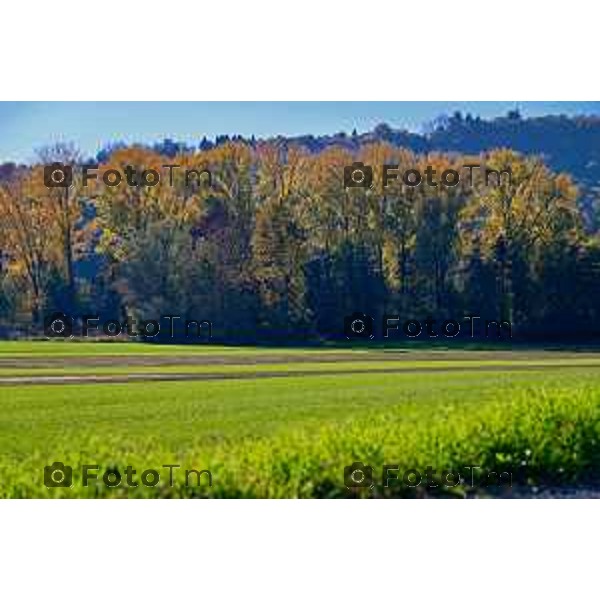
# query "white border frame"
(313, 50)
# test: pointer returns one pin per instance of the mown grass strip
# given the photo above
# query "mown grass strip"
(350, 366)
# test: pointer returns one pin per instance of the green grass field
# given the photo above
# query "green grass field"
(534, 414)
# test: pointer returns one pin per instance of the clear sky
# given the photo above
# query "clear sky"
(25, 126)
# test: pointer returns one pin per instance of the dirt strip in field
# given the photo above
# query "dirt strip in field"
(115, 360)
(143, 377)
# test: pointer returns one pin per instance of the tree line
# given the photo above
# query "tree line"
(278, 250)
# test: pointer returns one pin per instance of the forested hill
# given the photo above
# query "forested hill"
(567, 143)
(283, 246)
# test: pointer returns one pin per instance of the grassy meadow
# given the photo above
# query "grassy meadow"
(284, 423)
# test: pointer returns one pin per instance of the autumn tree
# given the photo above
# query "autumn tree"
(512, 215)
(278, 241)
(30, 238)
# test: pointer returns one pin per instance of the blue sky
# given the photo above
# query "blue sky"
(25, 126)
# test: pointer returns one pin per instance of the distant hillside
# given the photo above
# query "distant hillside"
(567, 143)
